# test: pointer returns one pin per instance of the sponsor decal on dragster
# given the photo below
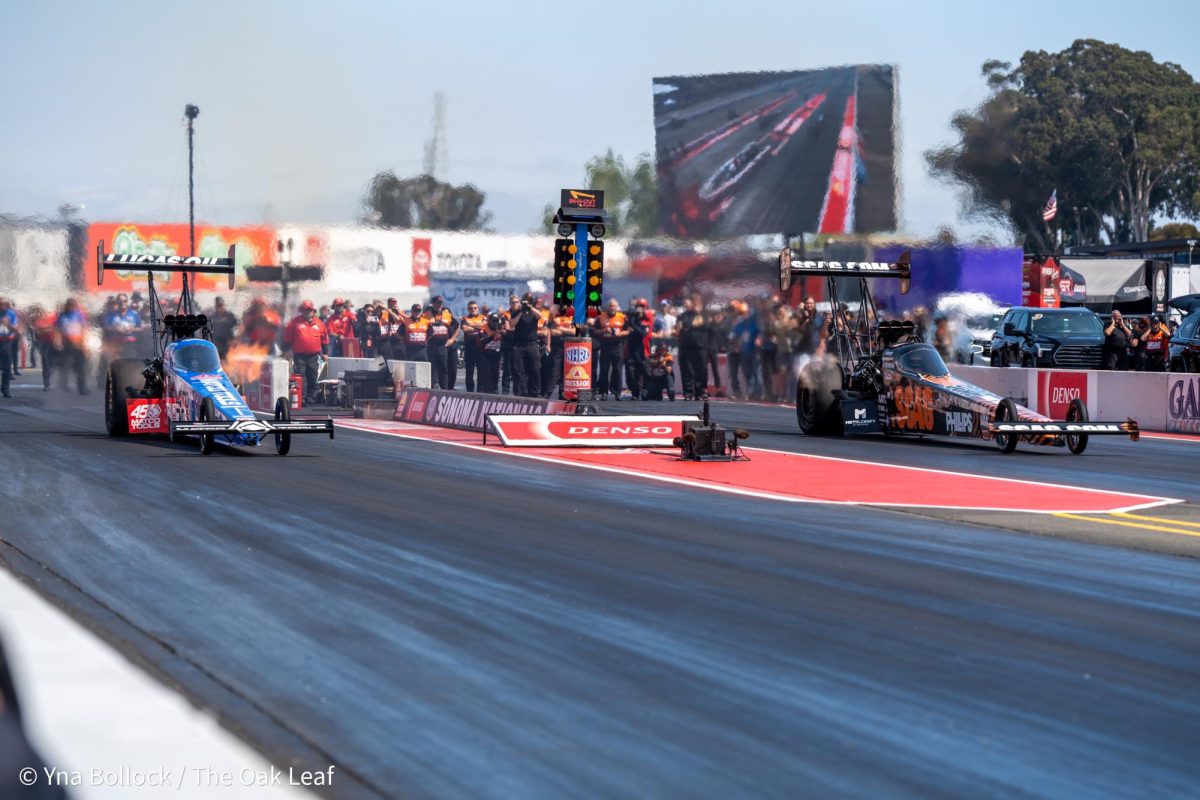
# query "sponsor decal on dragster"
(882, 267)
(147, 416)
(943, 406)
(226, 400)
(1183, 405)
(910, 406)
(860, 416)
(165, 261)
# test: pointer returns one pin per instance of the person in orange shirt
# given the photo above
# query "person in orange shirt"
(1154, 345)
(307, 339)
(660, 378)
(417, 334)
(559, 328)
(442, 333)
(612, 333)
(444, 315)
(471, 326)
(392, 323)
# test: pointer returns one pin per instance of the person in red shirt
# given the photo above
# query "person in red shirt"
(260, 324)
(336, 327)
(350, 346)
(45, 336)
(307, 339)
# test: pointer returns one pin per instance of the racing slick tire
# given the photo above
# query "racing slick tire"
(1006, 412)
(1077, 412)
(818, 410)
(207, 440)
(283, 413)
(120, 375)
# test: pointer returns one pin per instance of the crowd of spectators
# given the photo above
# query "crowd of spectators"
(1140, 347)
(637, 349)
(519, 349)
(54, 338)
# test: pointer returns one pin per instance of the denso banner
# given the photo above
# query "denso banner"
(468, 411)
(1057, 388)
(1183, 404)
(517, 430)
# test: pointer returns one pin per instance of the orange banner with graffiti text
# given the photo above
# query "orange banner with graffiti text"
(255, 245)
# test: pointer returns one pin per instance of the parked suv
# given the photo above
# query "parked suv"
(1070, 338)
(1184, 352)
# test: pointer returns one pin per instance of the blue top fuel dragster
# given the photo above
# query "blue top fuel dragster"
(183, 390)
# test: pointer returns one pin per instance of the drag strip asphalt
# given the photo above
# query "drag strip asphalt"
(438, 621)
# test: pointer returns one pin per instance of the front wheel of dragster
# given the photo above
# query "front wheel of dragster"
(283, 413)
(120, 375)
(1007, 412)
(1077, 412)
(818, 410)
(207, 440)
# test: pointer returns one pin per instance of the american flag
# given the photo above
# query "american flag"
(1051, 209)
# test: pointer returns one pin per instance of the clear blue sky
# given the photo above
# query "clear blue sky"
(302, 102)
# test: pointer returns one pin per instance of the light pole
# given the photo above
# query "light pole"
(190, 112)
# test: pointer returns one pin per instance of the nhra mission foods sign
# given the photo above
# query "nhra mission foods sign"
(468, 411)
(1183, 404)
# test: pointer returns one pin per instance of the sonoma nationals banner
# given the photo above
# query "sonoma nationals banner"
(468, 411)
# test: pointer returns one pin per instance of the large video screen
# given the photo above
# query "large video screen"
(777, 152)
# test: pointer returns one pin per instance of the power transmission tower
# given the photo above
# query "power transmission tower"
(436, 158)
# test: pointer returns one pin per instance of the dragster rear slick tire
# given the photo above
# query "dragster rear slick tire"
(1077, 412)
(207, 440)
(818, 410)
(121, 374)
(283, 413)
(1007, 412)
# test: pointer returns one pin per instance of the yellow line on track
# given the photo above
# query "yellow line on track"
(1142, 525)
(1162, 520)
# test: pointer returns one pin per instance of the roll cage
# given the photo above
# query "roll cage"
(857, 340)
(183, 322)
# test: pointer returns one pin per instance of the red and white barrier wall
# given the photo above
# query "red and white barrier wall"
(1159, 401)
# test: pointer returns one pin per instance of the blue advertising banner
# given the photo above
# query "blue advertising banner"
(457, 292)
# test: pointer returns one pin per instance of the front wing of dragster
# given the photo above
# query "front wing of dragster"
(252, 427)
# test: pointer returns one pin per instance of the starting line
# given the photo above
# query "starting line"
(803, 478)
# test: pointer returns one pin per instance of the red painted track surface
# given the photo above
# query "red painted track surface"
(795, 477)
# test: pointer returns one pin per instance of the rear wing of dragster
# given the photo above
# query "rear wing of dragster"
(255, 426)
(789, 268)
(149, 263)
